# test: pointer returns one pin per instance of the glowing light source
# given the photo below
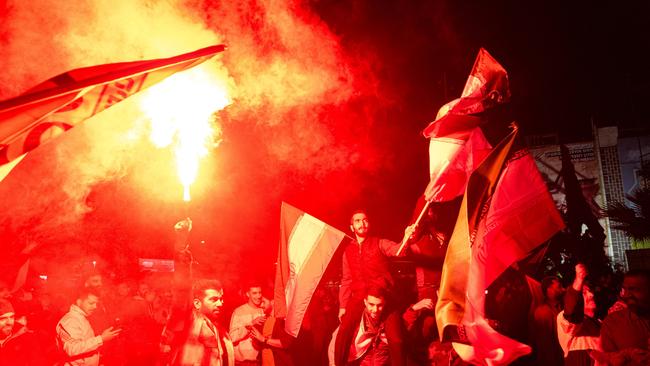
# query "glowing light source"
(181, 110)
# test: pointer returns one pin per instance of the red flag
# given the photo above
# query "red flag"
(457, 145)
(61, 102)
(506, 212)
(306, 248)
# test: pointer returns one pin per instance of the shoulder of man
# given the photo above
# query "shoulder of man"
(617, 317)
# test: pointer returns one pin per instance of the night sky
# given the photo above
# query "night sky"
(356, 143)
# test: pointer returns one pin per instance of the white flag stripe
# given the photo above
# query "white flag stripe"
(306, 281)
(6, 169)
(304, 237)
(307, 245)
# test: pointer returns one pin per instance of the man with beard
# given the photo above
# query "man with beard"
(75, 336)
(625, 333)
(193, 335)
(18, 345)
(366, 265)
(365, 262)
(361, 338)
(244, 318)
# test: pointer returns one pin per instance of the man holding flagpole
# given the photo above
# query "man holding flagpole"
(365, 265)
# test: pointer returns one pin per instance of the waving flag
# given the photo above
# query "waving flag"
(306, 247)
(61, 102)
(457, 145)
(506, 212)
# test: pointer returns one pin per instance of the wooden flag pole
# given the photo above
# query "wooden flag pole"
(424, 209)
(417, 222)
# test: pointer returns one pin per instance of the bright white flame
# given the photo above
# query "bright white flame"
(181, 110)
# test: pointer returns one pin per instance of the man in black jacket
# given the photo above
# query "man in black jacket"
(18, 345)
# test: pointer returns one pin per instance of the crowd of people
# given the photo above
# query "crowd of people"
(363, 320)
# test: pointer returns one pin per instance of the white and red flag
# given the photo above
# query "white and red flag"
(307, 245)
(506, 212)
(63, 101)
(457, 145)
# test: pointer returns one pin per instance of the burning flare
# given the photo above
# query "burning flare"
(181, 110)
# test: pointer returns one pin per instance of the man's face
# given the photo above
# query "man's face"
(88, 304)
(211, 303)
(254, 295)
(374, 306)
(123, 289)
(94, 281)
(635, 293)
(6, 324)
(359, 224)
(555, 290)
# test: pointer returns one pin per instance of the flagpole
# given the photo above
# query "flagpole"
(426, 205)
(417, 222)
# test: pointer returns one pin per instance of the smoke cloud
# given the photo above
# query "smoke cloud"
(298, 120)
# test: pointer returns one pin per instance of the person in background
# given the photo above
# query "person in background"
(578, 328)
(544, 334)
(18, 345)
(245, 318)
(75, 336)
(625, 334)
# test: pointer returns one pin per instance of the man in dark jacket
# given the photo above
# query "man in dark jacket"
(361, 339)
(366, 265)
(18, 345)
(625, 334)
(365, 262)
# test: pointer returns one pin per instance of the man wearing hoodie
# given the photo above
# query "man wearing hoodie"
(18, 345)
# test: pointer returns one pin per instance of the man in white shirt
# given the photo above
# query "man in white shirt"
(75, 336)
(244, 318)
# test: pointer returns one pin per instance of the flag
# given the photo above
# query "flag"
(306, 246)
(506, 212)
(63, 101)
(457, 145)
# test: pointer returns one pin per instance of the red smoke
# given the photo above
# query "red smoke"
(298, 129)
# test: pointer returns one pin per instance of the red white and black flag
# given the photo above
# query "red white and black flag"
(307, 245)
(506, 212)
(457, 144)
(63, 101)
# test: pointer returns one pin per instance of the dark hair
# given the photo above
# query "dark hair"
(202, 285)
(377, 290)
(357, 211)
(547, 282)
(251, 283)
(639, 273)
(84, 292)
